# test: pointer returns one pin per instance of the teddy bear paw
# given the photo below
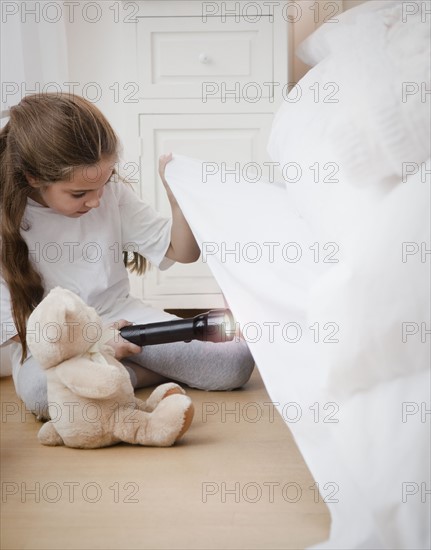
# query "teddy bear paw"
(48, 435)
(161, 392)
(170, 420)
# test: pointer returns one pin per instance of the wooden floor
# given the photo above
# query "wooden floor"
(236, 480)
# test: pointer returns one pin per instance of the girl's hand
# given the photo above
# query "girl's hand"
(122, 348)
(183, 247)
(163, 161)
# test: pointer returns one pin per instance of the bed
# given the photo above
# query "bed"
(329, 281)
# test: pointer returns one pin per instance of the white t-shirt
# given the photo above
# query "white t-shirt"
(85, 254)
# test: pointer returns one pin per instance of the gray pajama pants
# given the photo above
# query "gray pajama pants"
(202, 365)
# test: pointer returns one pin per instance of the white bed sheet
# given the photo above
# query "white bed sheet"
(366, 456)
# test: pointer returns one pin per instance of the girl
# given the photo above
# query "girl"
(64, 219)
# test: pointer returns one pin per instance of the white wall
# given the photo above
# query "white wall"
(33, 51)
(101, 61)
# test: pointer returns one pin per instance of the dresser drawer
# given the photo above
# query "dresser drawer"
(185, 57)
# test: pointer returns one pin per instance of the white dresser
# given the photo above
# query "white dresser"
(210, 77)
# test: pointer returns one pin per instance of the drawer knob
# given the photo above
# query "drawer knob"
(204, 58)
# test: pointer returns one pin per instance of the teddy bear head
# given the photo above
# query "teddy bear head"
(62, 326)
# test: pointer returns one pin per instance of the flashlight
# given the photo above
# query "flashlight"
(217, 325)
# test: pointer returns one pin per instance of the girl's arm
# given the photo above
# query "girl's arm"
(183, 247)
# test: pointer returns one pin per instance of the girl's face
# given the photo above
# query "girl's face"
(80, 193)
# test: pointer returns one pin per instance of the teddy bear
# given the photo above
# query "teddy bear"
(91, 401)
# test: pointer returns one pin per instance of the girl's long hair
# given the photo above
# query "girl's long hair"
(46, 138)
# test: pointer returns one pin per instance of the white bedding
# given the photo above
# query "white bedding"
(368, 455)
(374, 462)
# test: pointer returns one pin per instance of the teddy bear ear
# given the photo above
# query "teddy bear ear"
(47, 316)
(71, 300)
(44, 330)
(47, 311)
(49, 326)
(53, 308)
